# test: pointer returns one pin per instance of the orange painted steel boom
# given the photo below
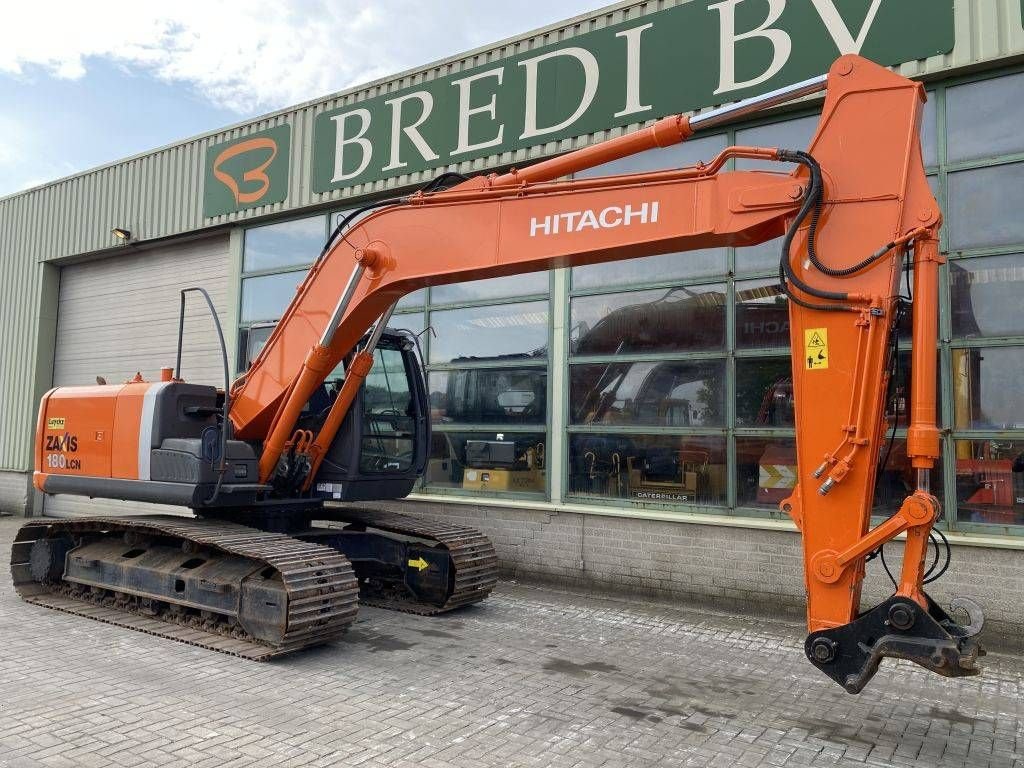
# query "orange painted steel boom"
(856, 205)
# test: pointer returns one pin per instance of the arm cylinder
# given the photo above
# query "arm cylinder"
(923, 434)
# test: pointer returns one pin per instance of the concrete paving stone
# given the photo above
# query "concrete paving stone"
(532, 677)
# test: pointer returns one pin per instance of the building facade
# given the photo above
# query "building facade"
(647, 403)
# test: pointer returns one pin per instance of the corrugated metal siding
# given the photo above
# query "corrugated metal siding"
(120, 315)
(20, 295)
(158, 194)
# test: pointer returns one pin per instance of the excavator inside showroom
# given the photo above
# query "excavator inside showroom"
(333, 410)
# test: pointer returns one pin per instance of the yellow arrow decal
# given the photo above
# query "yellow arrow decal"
(419, 564)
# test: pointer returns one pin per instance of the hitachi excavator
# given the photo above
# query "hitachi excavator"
(334, 407)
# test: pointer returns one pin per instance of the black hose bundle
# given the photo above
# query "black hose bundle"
(813, 204)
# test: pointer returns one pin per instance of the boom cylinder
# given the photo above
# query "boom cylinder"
(666, 132)
(730, 112)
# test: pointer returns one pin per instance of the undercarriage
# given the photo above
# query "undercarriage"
(242, 589)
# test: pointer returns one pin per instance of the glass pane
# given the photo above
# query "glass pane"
(265, 298)
(660, 320)
(251, 341)
(929, 147)
(337, 218)
(492, 288)
(764, 392)
(502, 332)
(662, 394)
(897, 479)
(998, 133)
(490, 463)
(788, 134)
(762, 315)
(986, 296)
(765, 470)
(984, 206)
(489, 396)
(990, 481)
(283, 245)
(905, 287)
(987, 387)
(688, 153)
(389, 428)
(760, 258)
(414, 299)
(652, 469)
(408, 321)
(664, 267)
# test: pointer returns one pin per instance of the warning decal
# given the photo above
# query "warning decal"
(816, 348)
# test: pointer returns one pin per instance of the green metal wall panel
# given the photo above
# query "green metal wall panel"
(158, 194)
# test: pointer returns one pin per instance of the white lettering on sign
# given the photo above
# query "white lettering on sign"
(466, 112)
(569, 88)
(782, 44)
(340, 141)
(608, 218)
(633, 104)
(845, 42)
(591, 75)
(412, 131)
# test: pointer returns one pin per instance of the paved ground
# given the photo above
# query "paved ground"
(531, 678)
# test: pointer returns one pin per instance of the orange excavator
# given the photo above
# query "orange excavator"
(334, 406)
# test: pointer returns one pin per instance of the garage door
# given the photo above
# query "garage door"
(119, 315)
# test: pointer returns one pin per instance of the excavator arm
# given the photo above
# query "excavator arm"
(856, 206)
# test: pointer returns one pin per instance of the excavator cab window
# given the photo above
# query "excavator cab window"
(389, 416)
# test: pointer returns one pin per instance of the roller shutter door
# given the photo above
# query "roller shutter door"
(119, 315)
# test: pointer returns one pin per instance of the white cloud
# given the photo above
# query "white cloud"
(258, 55)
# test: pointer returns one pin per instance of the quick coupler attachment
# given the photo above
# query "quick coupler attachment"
(899, 628)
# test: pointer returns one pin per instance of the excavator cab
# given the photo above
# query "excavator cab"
(381, 448)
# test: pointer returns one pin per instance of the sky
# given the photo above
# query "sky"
(86, 83)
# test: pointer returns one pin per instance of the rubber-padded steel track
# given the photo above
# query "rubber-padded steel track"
(321, 586)
(473, 558)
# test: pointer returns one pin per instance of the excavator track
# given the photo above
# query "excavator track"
(316, 584)
(472, 561)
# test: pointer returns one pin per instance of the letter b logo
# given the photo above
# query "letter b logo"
(245, 172)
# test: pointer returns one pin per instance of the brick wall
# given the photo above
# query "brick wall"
(725, 568)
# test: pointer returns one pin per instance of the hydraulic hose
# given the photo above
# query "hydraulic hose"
(812, 202)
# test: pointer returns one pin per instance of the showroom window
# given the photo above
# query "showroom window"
(680, 394)
(674, 390)
(981, 167)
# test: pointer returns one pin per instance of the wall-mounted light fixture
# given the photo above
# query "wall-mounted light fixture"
(123, 235)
